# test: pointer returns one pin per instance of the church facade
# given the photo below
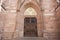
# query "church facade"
(29, 18)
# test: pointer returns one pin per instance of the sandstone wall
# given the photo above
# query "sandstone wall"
(50, 31)
(9, 19)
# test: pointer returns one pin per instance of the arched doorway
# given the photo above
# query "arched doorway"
(23, 14)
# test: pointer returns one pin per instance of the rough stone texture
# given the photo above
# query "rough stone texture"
(2, 18)
(50, 31)
(10, 23)
(57, 15)
(12, 20)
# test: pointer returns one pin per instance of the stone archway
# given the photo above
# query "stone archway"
(21, 16)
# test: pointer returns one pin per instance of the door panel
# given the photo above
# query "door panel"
(30, 27)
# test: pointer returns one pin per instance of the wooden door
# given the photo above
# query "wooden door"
(30, 27)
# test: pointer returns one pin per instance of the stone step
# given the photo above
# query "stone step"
(27, 38)
(30, 38)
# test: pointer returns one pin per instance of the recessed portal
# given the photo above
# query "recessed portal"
(30, 27)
